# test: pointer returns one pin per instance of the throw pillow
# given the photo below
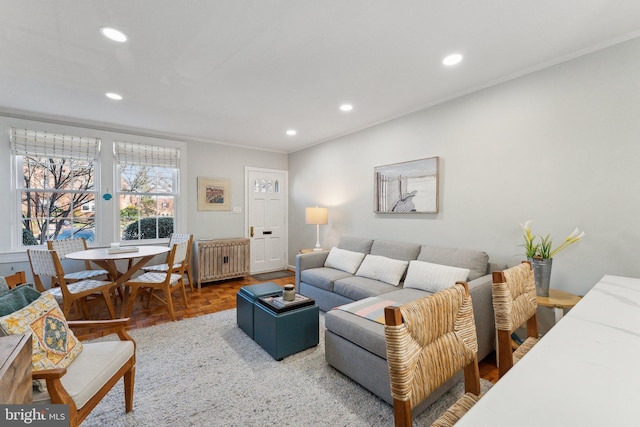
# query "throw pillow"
(4, 286)
(17, 298)
(54, 344)
(387, 270)
(433, 277)
(344, 260)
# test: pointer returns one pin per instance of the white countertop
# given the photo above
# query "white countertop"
(584, 372)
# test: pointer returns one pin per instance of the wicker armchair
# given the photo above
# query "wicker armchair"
(428, 341)
(514, 303)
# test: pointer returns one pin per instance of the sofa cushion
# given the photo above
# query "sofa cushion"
(322, 277)
(54, 344)
(476, 261)
(395, 250)
(355, 244)
(433, 277)
(344, 260)
(4, 286)
(387, 270)
(364, 332)
(17, 298)
(357, 288)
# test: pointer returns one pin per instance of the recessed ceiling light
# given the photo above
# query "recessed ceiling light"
(291, 132)
(113, 34)
(346, 107)
(114, 96)
(452, 59)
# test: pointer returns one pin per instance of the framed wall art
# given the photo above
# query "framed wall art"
(408, 187)
(214, 194)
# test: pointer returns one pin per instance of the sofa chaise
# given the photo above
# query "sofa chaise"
(345, 289)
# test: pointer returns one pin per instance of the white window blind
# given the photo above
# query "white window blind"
(33, 143)
(131, 153)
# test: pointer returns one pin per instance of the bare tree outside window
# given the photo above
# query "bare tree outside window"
(57, 198)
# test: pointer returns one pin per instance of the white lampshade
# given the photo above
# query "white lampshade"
(316, 215)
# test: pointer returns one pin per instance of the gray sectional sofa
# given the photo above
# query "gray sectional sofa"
(355, 345)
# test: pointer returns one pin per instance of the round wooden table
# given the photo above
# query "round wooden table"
(558, 300)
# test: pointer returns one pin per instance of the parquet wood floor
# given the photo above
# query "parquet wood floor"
(211, 298)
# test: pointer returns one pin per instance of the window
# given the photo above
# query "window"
(55, 186)
(148, 190)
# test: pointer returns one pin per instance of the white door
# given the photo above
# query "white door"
(267, 218)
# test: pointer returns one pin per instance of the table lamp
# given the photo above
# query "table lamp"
(316, 216)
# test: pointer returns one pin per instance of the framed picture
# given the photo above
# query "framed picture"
(408, 187)
(213, 194)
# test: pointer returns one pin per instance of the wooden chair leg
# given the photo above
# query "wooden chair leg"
(167, 294)
(402, 413)
(184, 294)
(106, 294)
(83, 307)
(505, 354)
(190, 279)
(129, 377)
(132, 300)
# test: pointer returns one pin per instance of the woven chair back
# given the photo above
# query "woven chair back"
(42, 262)
(67, 246)
(436, 339)
(514, 300)
(180, 252)
(179, 238)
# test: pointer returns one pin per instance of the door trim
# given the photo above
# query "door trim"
(248, 169)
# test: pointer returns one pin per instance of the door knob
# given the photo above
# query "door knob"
(252, 231)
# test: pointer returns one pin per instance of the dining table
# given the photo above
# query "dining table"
(583, 372)
(107, 258)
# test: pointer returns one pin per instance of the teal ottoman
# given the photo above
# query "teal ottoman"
(246, 300)
(283, 334)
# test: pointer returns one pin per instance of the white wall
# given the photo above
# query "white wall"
(223, 161)
(559, 147)
(207, 159)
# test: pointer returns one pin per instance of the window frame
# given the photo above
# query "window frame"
(128, 159)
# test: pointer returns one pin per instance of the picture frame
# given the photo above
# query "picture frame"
(407, 187)
(214, 194)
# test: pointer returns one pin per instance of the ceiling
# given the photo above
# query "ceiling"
(242, 72)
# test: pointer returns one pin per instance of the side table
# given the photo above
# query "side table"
(311, 250)
(558, 300)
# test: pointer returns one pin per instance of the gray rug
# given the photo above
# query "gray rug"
(273, 275)
(206, 372)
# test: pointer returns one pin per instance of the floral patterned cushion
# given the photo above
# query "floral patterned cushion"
(54, 344)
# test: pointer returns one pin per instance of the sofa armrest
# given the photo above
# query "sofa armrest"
(307, 261)
(481, 296)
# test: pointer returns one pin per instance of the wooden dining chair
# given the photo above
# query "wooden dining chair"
(428, 341)
(167, 282)
(176, 238)
(514, 304)
(47, 263)
(15, 279)
(67, 246)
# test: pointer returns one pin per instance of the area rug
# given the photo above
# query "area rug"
(206, 371)
(273, 275)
